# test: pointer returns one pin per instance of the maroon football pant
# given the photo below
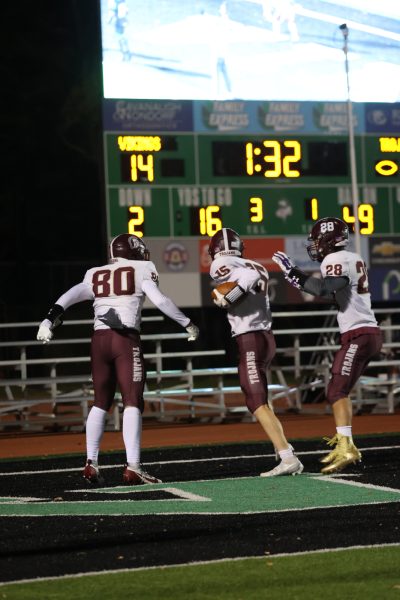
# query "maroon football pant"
(350, 362)
(256, 351)
(117, 359)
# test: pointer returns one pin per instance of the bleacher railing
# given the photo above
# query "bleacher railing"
(31, 400)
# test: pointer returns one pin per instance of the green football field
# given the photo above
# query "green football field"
(212, 529)
(357, 574)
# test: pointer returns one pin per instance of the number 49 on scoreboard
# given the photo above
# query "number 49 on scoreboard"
(366, 214)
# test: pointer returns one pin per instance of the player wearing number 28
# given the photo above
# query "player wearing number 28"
(345, 281)
(249, 315)
(117, 290)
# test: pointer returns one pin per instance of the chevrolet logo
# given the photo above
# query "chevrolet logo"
(386, 249)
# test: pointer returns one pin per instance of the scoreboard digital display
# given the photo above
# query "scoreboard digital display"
(192, 184)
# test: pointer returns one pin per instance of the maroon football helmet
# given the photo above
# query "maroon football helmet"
(128, 246)
(328, 235)
(226, 242)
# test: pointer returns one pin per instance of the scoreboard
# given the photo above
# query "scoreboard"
(181, 184)
(177, 172)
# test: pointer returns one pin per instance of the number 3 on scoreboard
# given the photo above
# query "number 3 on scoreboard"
(256, 210)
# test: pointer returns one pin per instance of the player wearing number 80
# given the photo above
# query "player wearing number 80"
(117, 291)
(345, 281)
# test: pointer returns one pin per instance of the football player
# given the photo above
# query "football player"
(117, 290)
(344, 280)
(249, 315)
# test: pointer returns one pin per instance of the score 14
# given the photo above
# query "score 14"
(142, 164)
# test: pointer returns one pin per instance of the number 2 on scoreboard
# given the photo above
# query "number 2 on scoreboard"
(136, 220)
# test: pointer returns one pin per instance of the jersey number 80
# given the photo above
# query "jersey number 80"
(119, 282)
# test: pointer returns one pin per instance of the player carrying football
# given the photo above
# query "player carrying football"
(344, 280)
(249, 315)
(117, 290)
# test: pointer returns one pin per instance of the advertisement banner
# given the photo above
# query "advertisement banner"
(384, 251)
(382, 118)
(384, 284)
(147, 115)
(273, 117)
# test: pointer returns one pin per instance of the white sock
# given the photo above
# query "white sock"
(286, 454)
(132, 434)
(94, 432)
(344, 430)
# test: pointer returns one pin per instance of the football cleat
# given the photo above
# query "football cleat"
(138, 477)
(332, 454)
(344, 454)
(92, 474)
(289, 467)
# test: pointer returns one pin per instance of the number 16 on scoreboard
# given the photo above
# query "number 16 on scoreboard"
(210, 219)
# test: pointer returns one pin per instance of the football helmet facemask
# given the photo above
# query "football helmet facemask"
(128, 246)
(226, 242)
(328, 235)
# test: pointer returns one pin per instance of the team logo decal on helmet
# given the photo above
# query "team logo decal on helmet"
(128, 246)
(226, 242)
(327, 235)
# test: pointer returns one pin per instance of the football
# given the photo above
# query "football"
(224, 288)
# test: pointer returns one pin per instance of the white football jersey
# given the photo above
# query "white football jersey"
(252, 312)
(118, 291)
(354, 301)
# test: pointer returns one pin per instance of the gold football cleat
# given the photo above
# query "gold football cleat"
(345, 453)
(332, 455)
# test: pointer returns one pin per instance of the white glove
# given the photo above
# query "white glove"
(45, 333)
(283, 261)
(193, 332)
(220, 299)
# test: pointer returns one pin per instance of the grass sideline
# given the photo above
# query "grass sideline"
(360, 574)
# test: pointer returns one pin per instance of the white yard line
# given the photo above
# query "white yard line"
(190, 461)
(357, 484)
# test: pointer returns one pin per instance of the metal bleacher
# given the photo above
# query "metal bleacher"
(38, 393)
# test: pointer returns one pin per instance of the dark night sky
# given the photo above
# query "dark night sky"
(52, 199)
(52, 223)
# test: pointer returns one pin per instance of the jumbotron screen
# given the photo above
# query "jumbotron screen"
(251, 49)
